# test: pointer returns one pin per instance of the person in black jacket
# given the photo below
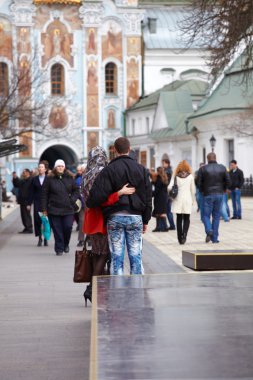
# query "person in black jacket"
(24, 199)
(213, 180)
(168, 169)
(129, 217)
(59, 194)
(237, 180)
(160, 193)
(36, 190)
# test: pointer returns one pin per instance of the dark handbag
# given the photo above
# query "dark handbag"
(83, 265)
(174, 190)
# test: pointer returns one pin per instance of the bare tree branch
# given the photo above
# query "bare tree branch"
(223, 27)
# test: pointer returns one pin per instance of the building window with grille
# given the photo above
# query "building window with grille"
(4, 79)
(57, 80)
(111, 79)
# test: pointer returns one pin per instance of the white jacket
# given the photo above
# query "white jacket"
(184, 201)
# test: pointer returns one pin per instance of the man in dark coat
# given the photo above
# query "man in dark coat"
(127, 218)
(237, 180)
(24, 199)
(213, 180)
(36, 190)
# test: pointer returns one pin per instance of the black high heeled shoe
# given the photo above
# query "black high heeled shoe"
(39, 242)
(88, 294)
(45, 243)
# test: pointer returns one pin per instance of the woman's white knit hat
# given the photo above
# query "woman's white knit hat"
(59, 163)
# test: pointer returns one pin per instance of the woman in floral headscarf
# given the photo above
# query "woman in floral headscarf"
(94, 227)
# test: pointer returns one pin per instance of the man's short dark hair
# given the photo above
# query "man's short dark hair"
(166, 160)
(211, 157)
(122, 145)
(233, 162)
(45, 163)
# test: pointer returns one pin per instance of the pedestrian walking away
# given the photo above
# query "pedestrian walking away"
(160, 194)
(182, 204)
(59, 194)
(213, 181)
(168, 170)
(36, 193)
(127, 218)
(94, 224)
(237, 180)
(24, 199)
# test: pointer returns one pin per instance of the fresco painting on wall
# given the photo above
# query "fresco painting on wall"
(25, 77)
(133, 46)
(92, 140)
(92, 79)
(132, 82)
(92, 111)
(57, 41)
(112, 40)
(91, 41)
(111, 119)
(23, 36)
(5, 39)
(58, 117)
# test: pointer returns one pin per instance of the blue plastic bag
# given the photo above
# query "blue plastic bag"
(45, 226)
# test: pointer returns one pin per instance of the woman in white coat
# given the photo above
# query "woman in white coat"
(182, 204)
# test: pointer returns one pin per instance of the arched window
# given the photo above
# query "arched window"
(4, 79)
(57, 80)
(111, 78)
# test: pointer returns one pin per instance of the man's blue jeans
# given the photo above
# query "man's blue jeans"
(212, 208)
(225, 212)
(170, 215)
(236, 202)
(200, 202)
(125, 230)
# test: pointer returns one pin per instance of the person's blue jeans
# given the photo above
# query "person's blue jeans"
(170, 215)
(125, 230)
(236, 202)
(200, 202)
(225, 213)
(212, 208)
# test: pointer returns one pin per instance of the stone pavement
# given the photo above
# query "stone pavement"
(45, 328)
(236, 234)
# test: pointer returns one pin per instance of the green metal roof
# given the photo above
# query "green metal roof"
(195, 88)
(232, 93)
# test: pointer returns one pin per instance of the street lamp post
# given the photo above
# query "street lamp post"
(212, 142)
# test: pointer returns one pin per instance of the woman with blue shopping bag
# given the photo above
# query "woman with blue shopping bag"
(59, 196)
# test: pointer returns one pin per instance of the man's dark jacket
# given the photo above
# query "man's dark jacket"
(24, 195)
(119, 172)
(213, 179)
(59, 193)
(237, 179)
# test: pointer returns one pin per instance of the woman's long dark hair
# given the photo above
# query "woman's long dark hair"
(162, 174)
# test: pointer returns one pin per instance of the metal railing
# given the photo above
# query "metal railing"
(247, 188)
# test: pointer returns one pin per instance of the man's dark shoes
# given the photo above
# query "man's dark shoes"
(209, 236)
(234, 217)
(25, 231)
(80, 243)
(59, 253)
(66, 249)
(156, 230)
(172, 228)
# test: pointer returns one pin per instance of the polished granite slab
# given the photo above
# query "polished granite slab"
(173, 326)
(232, 259)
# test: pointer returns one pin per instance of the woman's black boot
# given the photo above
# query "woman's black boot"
(39, 242)
(45, 243)
(158, 226)
(88, 294)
